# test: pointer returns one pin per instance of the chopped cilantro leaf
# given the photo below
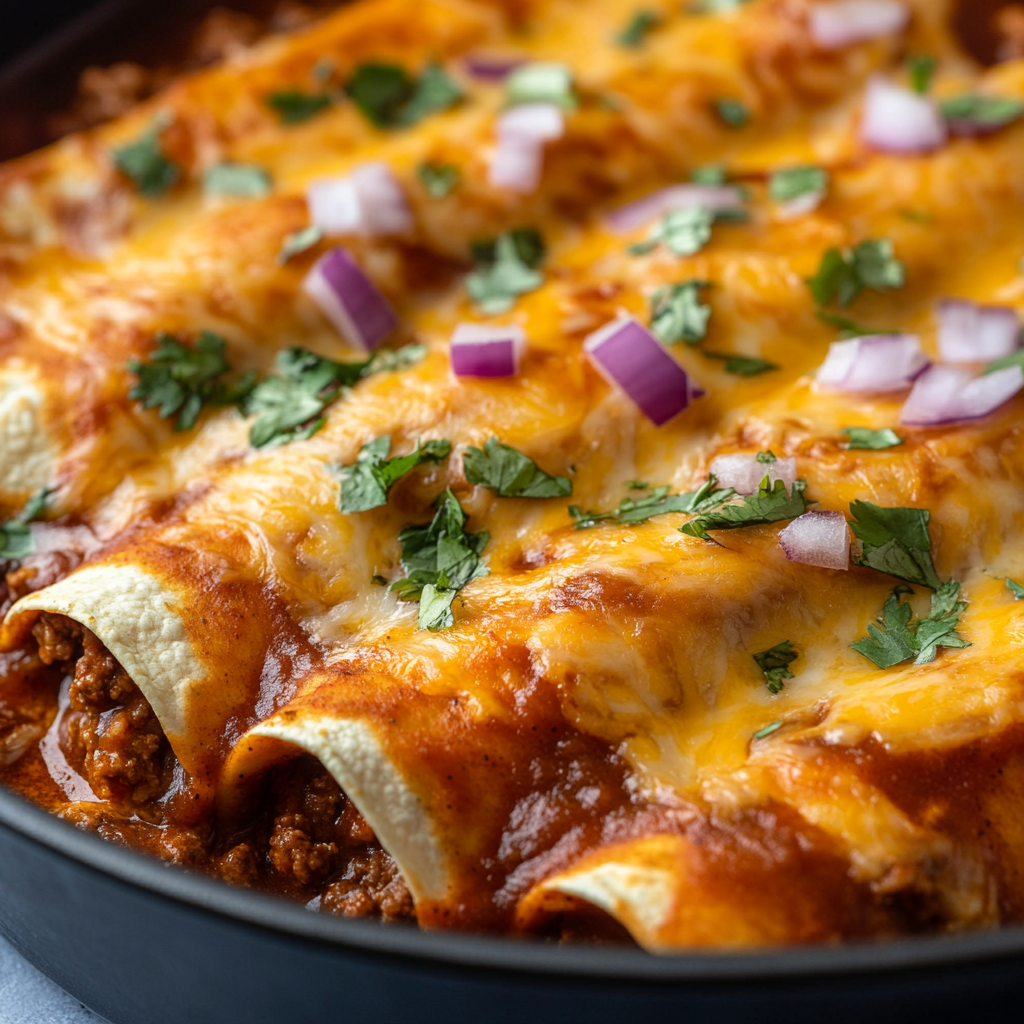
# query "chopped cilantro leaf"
(767, 730)
(709, 174)
(289, 406)
(714, 6)
(1015, 588)
(987, 111)
(742, 366)
(144, 162)
(389, 97)
(511, 474)
(299, 242)
(771, 504)
(921, 68)
(658, 503)
(16, 541)
(733, 113)
(795, 182)
(503, 272)
(844, 274)
(904, 638)
(895, 541)
(440, 558)
(684, 232)
(1013, 359)
(293, 106)
(847, 328)
(438, 179)
(548, 82)
(864, 438)
(181, 380)
(365, 484)
(677, 314)
(774, 663)
(766, 458)
(638, 28)
(240, 180)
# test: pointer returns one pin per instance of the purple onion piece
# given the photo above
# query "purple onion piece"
(900, 121)
(743, 473)
(482, 350)
(491, 67)
(818, 538)
(350, 300)
(629, 357)
(873, 363)
(843, 23)
(969, 333)
(517, 164)
(369, 201)
(953, 394)
(645, 211)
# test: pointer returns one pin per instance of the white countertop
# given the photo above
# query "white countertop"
(26, 997)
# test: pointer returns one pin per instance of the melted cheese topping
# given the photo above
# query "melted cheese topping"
(586, 729)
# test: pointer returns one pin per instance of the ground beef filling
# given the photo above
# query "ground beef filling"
(301, 838)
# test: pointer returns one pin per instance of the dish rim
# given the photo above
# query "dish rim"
(286, 918)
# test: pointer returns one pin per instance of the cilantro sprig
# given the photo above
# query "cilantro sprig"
(511, 474)
(866, 439)
(903, 637)
(677, 314)
(796, 182)
(290, 405)
(389, 97)
(181, 380)
(505, 269)
(741, 366)
(895, 541)
(844, 273)
(438, 179)
(366, 483)
(145, 163)
(636, 31)
(986, 111)
(771, 504)
(16, 541)
(632, 512)
(732, 113)
(774, 664)
(683, 232)
(440, 558)
(241, 181)
(295, 106)
(541, 82)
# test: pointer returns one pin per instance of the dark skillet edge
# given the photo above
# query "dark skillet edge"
(281, 916)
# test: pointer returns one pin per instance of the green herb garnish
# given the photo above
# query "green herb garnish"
(244, 181)
(714, 6)
(844, 274)
(290, 406)
(847, 328)
(683, 232)
(986, 111)
(732, 113)
(293, 106)
(771, 504)
(181, 380)
(389, 97)
(921, 68)
(438, 179)
(895, 541)
(864, 438)
(299, 242)
(548, 82)
(366, 483)
(677, 314)
(634, 34)
(16, 540)
(774, 663)
(658, 503)
(1013, 359)
(511, 474)
(144, 162)
(506, 269)
(709, 174)
(1015, 588)
(440, 558)
(742, 366)
(904, 637)
(796, 182)
(767, 730)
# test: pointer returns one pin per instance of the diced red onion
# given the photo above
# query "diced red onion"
(743, 473)
(845, 22)
(369, 201)
(350, 300)
(485, 350)
(953, 394)
(676, 197)
(519, 157)
(899, 121)
(818, 538)
(629, 357)
(491, 68)
(969, 333)
(877, 362)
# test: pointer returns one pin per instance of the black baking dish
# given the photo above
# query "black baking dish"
(139, 941)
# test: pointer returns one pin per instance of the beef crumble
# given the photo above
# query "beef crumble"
(299, 835)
